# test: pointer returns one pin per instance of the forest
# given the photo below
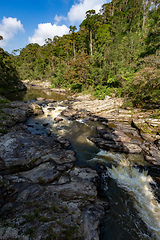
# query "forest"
(115, 52)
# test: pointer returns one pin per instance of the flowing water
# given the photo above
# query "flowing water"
(134, 212)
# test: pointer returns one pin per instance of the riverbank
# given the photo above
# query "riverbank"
(147, 121)
(44, 195)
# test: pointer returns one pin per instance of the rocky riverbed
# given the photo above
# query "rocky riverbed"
(44, 195)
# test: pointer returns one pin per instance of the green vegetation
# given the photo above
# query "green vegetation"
(115, 52)
(9, 77)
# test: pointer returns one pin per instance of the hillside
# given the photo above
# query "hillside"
(115, 52)
(9, 77)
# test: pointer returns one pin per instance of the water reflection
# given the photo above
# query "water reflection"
(35, 92)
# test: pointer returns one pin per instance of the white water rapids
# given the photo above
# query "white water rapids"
(136, 183)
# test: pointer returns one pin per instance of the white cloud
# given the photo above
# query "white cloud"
(78, 10)
(75, 15)
(58, 19)
(47, 30)
(8, 28)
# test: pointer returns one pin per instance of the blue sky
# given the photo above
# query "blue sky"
(29, 21)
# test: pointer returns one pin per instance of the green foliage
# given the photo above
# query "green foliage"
(143, 87)
(116, 51)
(9, 78)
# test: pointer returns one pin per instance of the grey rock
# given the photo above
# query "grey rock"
(123, 147)
(42, 174)
(11, 233)
(83, 174)
(20, 148)
(92, 215)
(23, 195)
(75, 189)
(6, 207)
(63, 179)
(151, 153)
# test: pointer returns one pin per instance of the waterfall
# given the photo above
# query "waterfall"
(138, 186)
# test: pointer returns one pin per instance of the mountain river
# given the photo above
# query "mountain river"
(135, 212)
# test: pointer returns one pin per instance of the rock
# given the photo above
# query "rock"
(51, 108)
(110, 145)
(30, 125)
(17, 112)
(63, 179)
(57, 120)
(63, 202)
(63, 142)
(45, 124)
(7, 207)
(75, 189)
(19, 115)
(44, 173)
(92, 215)
(83, 174)
(23, 195)
(50, 101)
(68, 113)
(11, 233)
(118, 137)
(148, 128)
(49, 133)
(37, 110)
(20, 149)
(40, 99)
(96, 106)
(151, 153)
(157, 143)
(64, 157)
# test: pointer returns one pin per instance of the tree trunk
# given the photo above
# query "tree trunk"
(91, 45)
(146, 6)
(74, 50)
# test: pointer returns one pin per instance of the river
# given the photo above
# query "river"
(134, 213)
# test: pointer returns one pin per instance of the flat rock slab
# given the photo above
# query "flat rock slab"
(44, 173)
(19, 148)
(46, 206)
(17, 112)
(96, 106)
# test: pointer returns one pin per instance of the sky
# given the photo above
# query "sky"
(32, 21)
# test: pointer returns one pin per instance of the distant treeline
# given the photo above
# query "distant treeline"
(116, 51)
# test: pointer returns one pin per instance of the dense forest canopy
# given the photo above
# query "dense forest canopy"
(116, 51)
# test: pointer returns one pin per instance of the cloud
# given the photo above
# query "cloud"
(78, 10)
(75, 15)
(47, 30)
(8, 28)
(58, 19)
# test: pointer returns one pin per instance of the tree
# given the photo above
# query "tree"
(1, 38)
(146, 6)
(72, 31)
(89, 24)
(106, 12)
